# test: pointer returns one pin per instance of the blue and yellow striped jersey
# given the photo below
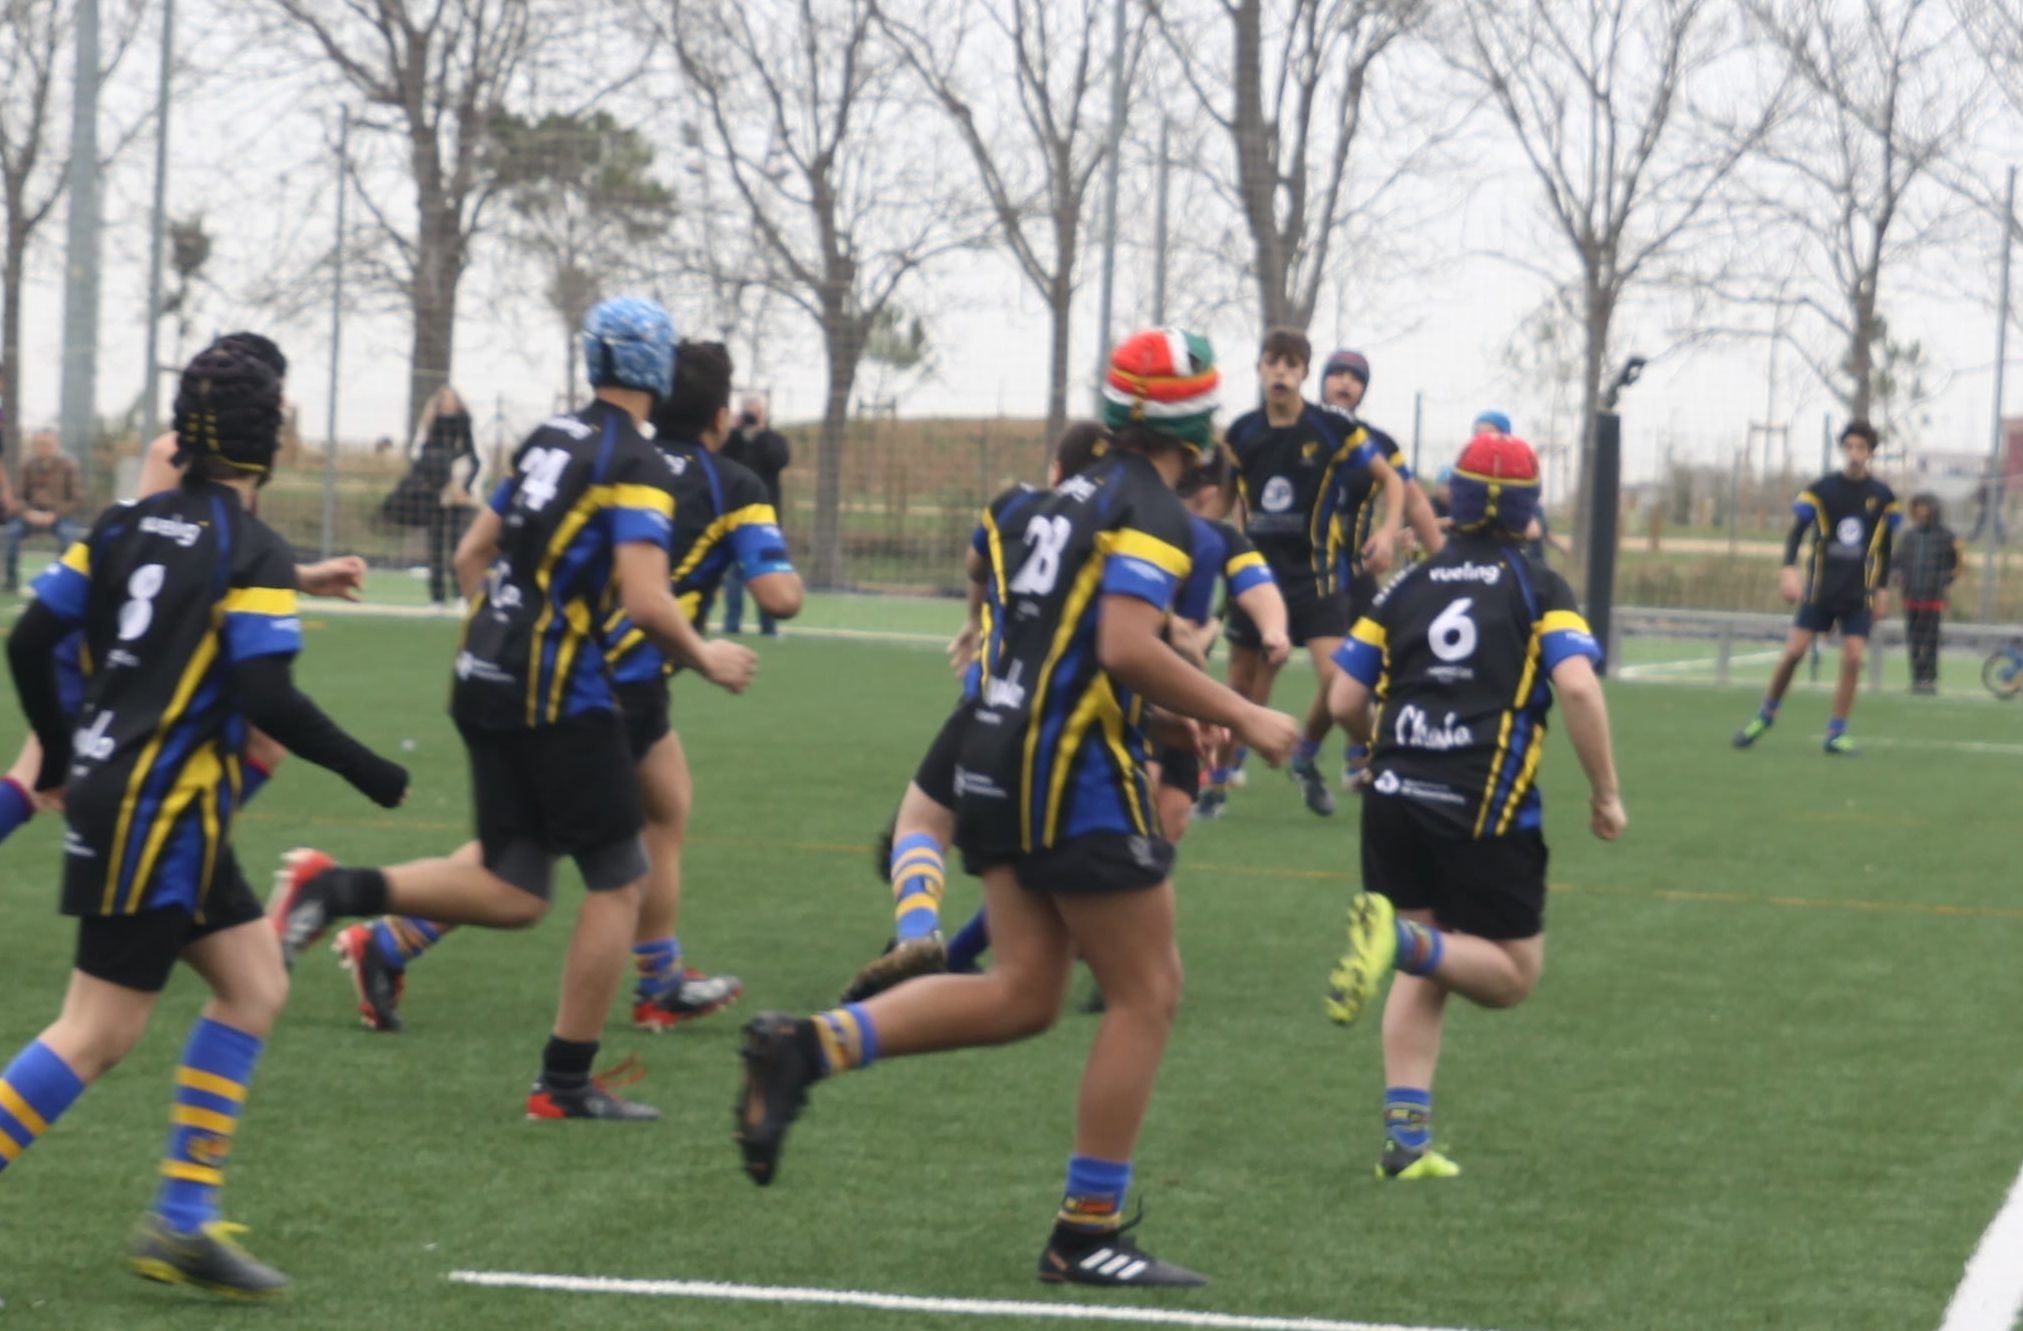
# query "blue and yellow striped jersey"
(722, 516)
(1852, 524)
(1053, 736)
(170, 593)
(581, 486)
(1000, 530)
(1359, 501)
(1459, 652)
(1291, 480)
(1221, 554)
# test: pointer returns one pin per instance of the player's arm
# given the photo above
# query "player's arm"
(339, 578)
(1259, 597)
(158, 470)
(1587, 725)
(476, 551)
(1425, 523)
(1804, 510)
(1129, 647)
(761, 551)
(1885, 547)
(1359, 663)
(1378, 550)
(31, 658)
(649, 603)
(268, 699)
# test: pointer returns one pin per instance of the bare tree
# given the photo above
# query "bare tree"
(830, 173)
(35, 74)
(1598, 96)
(434, 75)
(1851, 177)
(1292, 95)
(1036, 163)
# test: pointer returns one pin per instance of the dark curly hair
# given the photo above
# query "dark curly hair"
(702, 388)
(227, 415)
(263, 348)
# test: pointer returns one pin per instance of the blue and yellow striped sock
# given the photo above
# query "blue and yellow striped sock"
(1309, 749)
(402, 938)
(1237, 758)
(1419, 948)
(1836, 727)
(16, 807)
(846, 1037)
(970, 943)
(34, 1091)
(1093, 1200)
(1408, 1117)
(917, 884)
(659, 965)
(210, 1091)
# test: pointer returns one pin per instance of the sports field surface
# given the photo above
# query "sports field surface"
(1770, 1080)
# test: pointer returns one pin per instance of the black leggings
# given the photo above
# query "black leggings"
(1922, 627)
(445, 528)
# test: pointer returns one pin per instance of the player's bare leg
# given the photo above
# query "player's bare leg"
(594, 970)
(1796, 645)
(668, 992)
(922, 832)
(1305, 765)
(1127, 938)
(1852, 651)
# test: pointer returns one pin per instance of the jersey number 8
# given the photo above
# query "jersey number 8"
(1452, 635)
(139, 611)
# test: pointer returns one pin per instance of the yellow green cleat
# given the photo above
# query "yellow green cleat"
(1400, 1163)
(1373, 948)
(210, 1259)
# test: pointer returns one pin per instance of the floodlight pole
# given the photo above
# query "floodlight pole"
(336, 335)
(1604, 501)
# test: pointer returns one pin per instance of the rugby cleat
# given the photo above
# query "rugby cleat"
(1403, 1163)
(779, 1068)
(1373, 948)
(377, 982)
(1109, 1259)
(1751, 731)
(596, 1098)
(1313, 786)
(1213, 803)
(901, 961)
(1843, 746)
(692, 995)
(210, 1259)
(297, 909)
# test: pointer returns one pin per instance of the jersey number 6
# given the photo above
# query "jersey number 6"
(1452, 634)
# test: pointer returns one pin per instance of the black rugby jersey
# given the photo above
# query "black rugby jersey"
(1290, 478)
(581, 486)
(171, 593)
(1459, 652)
(1053, 736)
(999, 537)
(722, 516)
(1358, 505)
(1851, 523)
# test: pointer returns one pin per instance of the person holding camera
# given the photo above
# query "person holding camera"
(765, 451)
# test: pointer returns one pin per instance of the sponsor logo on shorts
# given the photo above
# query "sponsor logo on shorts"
(1142, 851)
(1386, 783)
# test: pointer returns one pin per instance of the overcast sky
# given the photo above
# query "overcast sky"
(251, 157)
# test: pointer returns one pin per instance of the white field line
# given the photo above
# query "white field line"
(909, 1303)
(1958, 746)
(1693, 664)
(1991, 1295)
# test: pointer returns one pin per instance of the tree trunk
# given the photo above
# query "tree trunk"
(1861, 351)
(11, 281)
(1060, 307)
(1256, 173)
(438, 266)
(845, 349)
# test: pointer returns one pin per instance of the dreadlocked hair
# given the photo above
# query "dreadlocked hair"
(227, 416)
(702, 388)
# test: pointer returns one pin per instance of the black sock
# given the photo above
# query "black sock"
(354, 891)
(565, 1064)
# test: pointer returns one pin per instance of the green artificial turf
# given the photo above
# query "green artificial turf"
(1769, 1080)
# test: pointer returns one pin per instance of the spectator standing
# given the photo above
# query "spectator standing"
(1927, 561)
(1987, 509)
(436, 493)
(765, 451)
(52, 492)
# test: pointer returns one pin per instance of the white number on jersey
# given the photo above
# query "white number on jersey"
(1452, 635)
(540, 475)
(139, 611)
(1047, 537)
